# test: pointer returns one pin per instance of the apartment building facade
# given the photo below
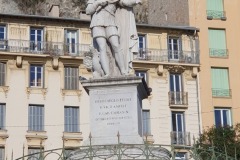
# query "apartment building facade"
(218, 23)
(44, 106)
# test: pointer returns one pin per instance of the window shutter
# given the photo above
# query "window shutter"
(217, 41)
(2, 73)
(215, 5)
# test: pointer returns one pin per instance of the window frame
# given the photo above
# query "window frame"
(4, 40)
(2, 150)
(3, 73)
(143, 74)
(33, 150)
(2, 116)
(146, 127)
(174, 55)
(35, 44)
(221, 116)
(72, 110)
(69, 79)
(36, 75)
(33, 123)
(69, 44)
(183, 122)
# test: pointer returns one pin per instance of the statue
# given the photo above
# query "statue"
(114, 36)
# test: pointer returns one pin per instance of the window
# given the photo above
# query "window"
(176, 94)
(146, 122)
(36, 39)
(71, 39)
(222, 117)
(215, 9)
(2, 73)
(3, 37)
(71, 119)
(178, 134)
(142, 74)
(217, 43)
(220, 82)
(2, 153)
(181, 156)
(36, 118)
(36, 75)
(71, 78)
(142, 47)
(2, 116)
(174, 47)
(36, 153)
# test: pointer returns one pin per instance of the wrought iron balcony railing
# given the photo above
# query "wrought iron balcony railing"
(178, 98)
(221, 53)
(40, 47)
(221, 92)
(180, 138)
(161, 55)
(212, 14)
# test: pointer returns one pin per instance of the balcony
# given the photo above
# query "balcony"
(221, 92)
(180, 138)
(178, 98)
(212, 14)
(219, 53)
(169, 56)
(48, 48)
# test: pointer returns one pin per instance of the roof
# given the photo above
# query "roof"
(188, 28)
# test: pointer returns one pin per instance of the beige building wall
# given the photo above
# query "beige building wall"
(18, 95)
(198, 18)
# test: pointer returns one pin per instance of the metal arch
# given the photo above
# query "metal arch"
(126, 151)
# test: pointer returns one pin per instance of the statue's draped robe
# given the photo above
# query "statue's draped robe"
(125, 21)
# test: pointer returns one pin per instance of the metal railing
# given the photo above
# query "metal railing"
(221, 92)
(163, 55)
(180, 138)
(40, 47)
(213, 14)
(178, 98)
(222, 53)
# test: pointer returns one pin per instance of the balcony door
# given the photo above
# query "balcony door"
(174, 48)
(71, 37)
(142, 46)
(3, 37)
(178, 128)
(36, 39)
(176, 96)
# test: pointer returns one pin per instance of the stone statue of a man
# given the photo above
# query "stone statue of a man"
(106, 28)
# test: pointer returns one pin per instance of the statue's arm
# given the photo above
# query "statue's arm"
(92, 6)
(129, 3)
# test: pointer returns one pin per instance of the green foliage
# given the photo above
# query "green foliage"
(225, 140)
(30, 6)
(79, 3)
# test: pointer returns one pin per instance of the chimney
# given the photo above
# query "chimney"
(54, 11)
(84, 16)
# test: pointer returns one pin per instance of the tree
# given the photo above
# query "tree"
(225, 140)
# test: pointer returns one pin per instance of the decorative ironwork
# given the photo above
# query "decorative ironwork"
(221, 92)
(180, 138)
(49, 48)
(218, 52)
(178, 98)
(157, 55)
(212, 14)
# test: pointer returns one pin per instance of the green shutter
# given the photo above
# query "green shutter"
(217, 43)
(220, 82)
(215, 9)
(215, 5)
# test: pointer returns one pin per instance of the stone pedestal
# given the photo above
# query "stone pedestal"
(116, 109)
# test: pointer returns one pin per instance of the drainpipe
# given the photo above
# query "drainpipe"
(198, 105)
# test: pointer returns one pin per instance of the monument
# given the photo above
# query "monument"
(115, 94)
